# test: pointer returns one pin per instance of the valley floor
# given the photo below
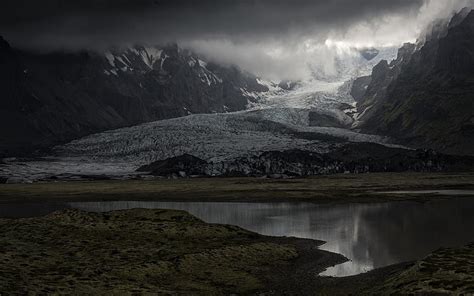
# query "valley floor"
(374, 187)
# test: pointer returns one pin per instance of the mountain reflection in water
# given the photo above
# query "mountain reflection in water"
(370, 235)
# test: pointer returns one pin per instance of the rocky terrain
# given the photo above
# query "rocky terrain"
(352, 158)
(424, 97)
(359, 87)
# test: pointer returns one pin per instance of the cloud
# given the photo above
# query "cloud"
(273, 38)
(83, 23)
(272, 59)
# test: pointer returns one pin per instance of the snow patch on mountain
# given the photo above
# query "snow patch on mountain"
(149, 55)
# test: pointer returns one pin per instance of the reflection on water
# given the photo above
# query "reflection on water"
(371, 235)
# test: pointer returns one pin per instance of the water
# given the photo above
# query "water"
(371, 235)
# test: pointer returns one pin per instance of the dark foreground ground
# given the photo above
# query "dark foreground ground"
(149, 251)
(333, 188)
(169, 252)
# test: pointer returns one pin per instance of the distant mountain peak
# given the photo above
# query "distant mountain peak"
(369, 53)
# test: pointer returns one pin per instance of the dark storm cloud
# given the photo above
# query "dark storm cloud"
(94, 23)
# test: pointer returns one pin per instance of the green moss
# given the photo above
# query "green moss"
(133, 251)
(445, 272)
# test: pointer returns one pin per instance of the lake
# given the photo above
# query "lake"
(370, 235)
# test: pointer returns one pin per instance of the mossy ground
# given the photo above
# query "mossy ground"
(138, 251)
(165, 252)
(448, 271)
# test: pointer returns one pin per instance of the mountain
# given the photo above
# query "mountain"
(359, 87)
(51, 98)
(369, 53)
(425, 98)
(372, 99)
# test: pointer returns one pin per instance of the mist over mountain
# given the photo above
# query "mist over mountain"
(272, 39)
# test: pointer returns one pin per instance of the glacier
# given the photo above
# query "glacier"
(275, 120)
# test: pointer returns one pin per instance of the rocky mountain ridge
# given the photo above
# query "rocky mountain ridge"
(425, 97)
(51, 98)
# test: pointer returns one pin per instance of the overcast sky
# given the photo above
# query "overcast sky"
(268, 37)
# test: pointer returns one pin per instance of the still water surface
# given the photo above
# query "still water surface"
(370, 235)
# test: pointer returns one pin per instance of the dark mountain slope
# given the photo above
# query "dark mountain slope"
(426, 97)
(47, 99)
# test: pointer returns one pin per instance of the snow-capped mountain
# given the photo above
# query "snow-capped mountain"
(251, 119)
(56, 97)
(141, 84)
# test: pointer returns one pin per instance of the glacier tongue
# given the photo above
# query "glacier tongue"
(212, 137)
(216, 138)
(315, 116)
